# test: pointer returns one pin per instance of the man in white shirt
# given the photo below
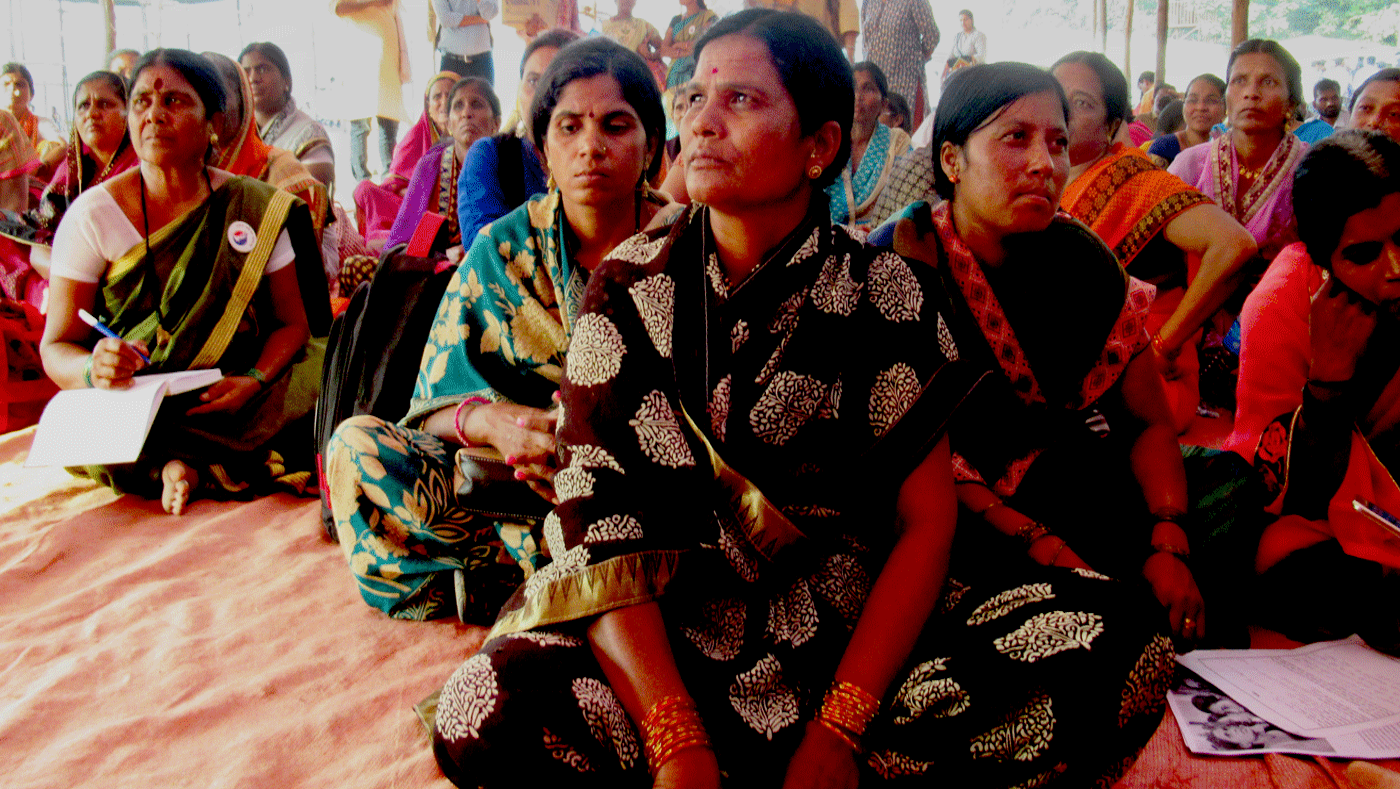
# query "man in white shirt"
(464, 36)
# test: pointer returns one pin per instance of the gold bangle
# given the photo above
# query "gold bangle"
(1031, 531)
(671, 725)
(995, 503)
(849, 706)
(1058, 551)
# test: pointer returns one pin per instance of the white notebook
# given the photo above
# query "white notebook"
(82, 427)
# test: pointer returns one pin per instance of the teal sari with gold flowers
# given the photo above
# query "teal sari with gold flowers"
(501, 333)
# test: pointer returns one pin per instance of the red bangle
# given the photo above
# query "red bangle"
(457, 418)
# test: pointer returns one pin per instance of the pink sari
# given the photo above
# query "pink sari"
(1266, 207)
(78, 171)
(376, 205)
(1274, 358)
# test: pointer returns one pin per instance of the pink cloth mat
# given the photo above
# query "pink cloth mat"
(224, 648)
(228, 648)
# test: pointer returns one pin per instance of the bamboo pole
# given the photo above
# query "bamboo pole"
(1128, 41)
(1163, 21)
(1239, 22)
(1103, 26)
(1095, 35)
(109, 25)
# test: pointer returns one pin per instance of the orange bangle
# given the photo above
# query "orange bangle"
(848, 706)
(671, 725)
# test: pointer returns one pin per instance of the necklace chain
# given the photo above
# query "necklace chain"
(152, 277)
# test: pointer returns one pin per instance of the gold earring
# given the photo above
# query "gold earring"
(551, 186)
(814, 172)
(213, 138)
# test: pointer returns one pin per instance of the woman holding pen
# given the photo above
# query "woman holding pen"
(191, 268)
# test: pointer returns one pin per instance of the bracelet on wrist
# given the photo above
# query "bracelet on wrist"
(457, 418)
(671, 725)
(849, 707)
(995, 503)
(256, 375)
(1031, 531)
(1058, 551)
(87, 371)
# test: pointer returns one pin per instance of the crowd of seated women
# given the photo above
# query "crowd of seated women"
(837, 491)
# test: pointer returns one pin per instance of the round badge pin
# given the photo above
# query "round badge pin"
(241, 236)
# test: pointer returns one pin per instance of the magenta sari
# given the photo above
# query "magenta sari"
(377, 205)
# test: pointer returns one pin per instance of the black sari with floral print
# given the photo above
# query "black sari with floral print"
(733, 453)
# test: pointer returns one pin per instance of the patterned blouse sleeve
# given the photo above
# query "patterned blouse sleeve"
(631, 491)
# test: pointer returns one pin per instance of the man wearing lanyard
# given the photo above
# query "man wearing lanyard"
(464, 37)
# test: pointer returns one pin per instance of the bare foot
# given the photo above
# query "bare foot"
(179, 481)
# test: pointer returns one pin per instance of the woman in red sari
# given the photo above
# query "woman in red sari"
(99, 149)
(1164, 231)
(1319, 398)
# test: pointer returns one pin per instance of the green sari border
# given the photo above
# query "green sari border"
(274, 216)
(133, 257)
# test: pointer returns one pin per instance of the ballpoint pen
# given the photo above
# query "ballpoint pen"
(92, 321)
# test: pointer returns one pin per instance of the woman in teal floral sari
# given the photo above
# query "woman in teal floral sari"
(495, 354)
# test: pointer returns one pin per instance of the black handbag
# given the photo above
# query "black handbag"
(486, 484)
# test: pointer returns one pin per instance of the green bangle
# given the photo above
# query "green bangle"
(256, 375)
(87, 372)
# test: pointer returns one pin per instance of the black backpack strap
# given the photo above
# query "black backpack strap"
(511, 167)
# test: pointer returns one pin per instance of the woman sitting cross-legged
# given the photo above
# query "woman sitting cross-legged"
(99, 149)
(1249, 169)
(496, 351)
(195, 268)
(377, 205)
(281, 124)
(502, 171)
(1169, 233)
(1068, 447)
(875, 148)
(1202, 107)
(473, 112)
(750, 572)
(241, 149)
(1319, 398)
